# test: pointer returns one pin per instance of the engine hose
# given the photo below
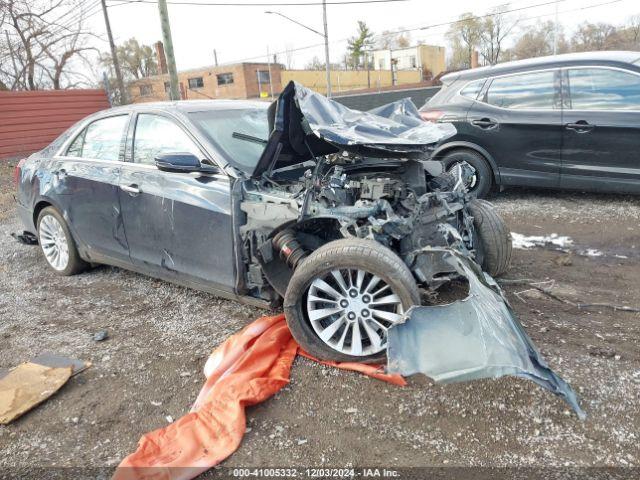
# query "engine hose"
(289, 247)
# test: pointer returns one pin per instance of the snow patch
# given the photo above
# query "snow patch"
(524, 242)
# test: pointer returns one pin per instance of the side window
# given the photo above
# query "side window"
(100, 140)
(156, 135)
(604, 89)
(471, 90)
(524, 91)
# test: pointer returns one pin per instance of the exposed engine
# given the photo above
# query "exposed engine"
(407, 205)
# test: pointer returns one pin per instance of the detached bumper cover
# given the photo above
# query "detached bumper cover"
(478, 337)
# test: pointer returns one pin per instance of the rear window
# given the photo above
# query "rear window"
(472, 89)
(532, 91)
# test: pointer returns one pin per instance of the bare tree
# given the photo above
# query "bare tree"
(288, 55)
(537, 41)
(464, 37)
(389, 39)
(40, 47)
(136, 60)
(595, 36)
(494, 30)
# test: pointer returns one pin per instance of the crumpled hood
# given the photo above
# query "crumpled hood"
(304, 124)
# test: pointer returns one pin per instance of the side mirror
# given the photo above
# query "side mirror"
(183, 162)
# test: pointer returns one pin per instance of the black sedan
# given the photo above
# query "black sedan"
(333, 210)
(568, 121)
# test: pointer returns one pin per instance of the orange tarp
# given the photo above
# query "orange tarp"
(246, 369)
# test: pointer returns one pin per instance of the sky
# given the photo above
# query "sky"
(243, 33)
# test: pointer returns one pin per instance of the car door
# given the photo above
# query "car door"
(89, 172)
(518, 120)
(178, 225)
(601, 129)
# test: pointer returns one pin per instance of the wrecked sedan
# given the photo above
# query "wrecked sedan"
(330, 211)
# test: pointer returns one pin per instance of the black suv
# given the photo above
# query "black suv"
(568, 121)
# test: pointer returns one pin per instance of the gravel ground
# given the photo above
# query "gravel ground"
(160, 336)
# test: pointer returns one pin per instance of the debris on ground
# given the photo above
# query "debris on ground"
(246, 369)
(31, 383)
(100, 336)
(26, 238)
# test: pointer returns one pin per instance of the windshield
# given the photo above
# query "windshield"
(240, 134)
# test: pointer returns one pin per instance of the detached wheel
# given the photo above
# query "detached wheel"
(57, 244)
(493, 239)
(482, 182)
(343, 298)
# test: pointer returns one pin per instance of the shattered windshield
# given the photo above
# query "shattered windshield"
(240, 134)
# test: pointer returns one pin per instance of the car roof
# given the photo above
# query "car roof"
(563, 60)
(187, 106)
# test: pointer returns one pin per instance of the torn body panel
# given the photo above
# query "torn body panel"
(478, 337)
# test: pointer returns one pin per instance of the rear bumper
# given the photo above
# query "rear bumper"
(26, 217)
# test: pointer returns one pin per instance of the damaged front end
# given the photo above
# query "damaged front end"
(329, 173)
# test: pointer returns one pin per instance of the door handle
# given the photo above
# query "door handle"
(484, 123)
(581, 126)
(132, 189)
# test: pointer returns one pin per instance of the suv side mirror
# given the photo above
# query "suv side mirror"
(183, 162)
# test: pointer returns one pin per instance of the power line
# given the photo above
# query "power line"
(255, 4)
(317, 45)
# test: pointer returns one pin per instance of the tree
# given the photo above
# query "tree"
(288, 56)
(464, 36)
(390, 40)
(538, 42)
(40, 50)
(315, 64)
(494, 30)
(595, 36)
(358, 44)
(137, 61)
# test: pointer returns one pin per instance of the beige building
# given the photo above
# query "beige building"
(427, 59)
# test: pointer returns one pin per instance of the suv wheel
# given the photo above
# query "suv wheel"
(57, 244)
(482, 181)
(343, 298)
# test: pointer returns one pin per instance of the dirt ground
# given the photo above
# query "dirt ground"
(149, 369)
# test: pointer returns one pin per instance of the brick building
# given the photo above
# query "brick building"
(242, 80)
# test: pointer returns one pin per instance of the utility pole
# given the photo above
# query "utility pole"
(326, 47)
(325, 35)
(168, 48)
(114, 55)
(215, 57)
(269, 67)
(555, 32)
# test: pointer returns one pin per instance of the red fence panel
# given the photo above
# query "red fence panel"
(29, 121)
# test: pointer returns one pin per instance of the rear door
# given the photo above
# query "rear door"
(89, 171)
(601, 129)
(518, 120)
(177, 224)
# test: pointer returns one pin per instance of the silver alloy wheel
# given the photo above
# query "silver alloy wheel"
(54, 242)
(351, 311)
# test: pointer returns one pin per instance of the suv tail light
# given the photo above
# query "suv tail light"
(432, 115)
(16, 172)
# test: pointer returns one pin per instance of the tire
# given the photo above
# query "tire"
(348, 255)
(493, 250)
(48, 221)
(484, 174)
